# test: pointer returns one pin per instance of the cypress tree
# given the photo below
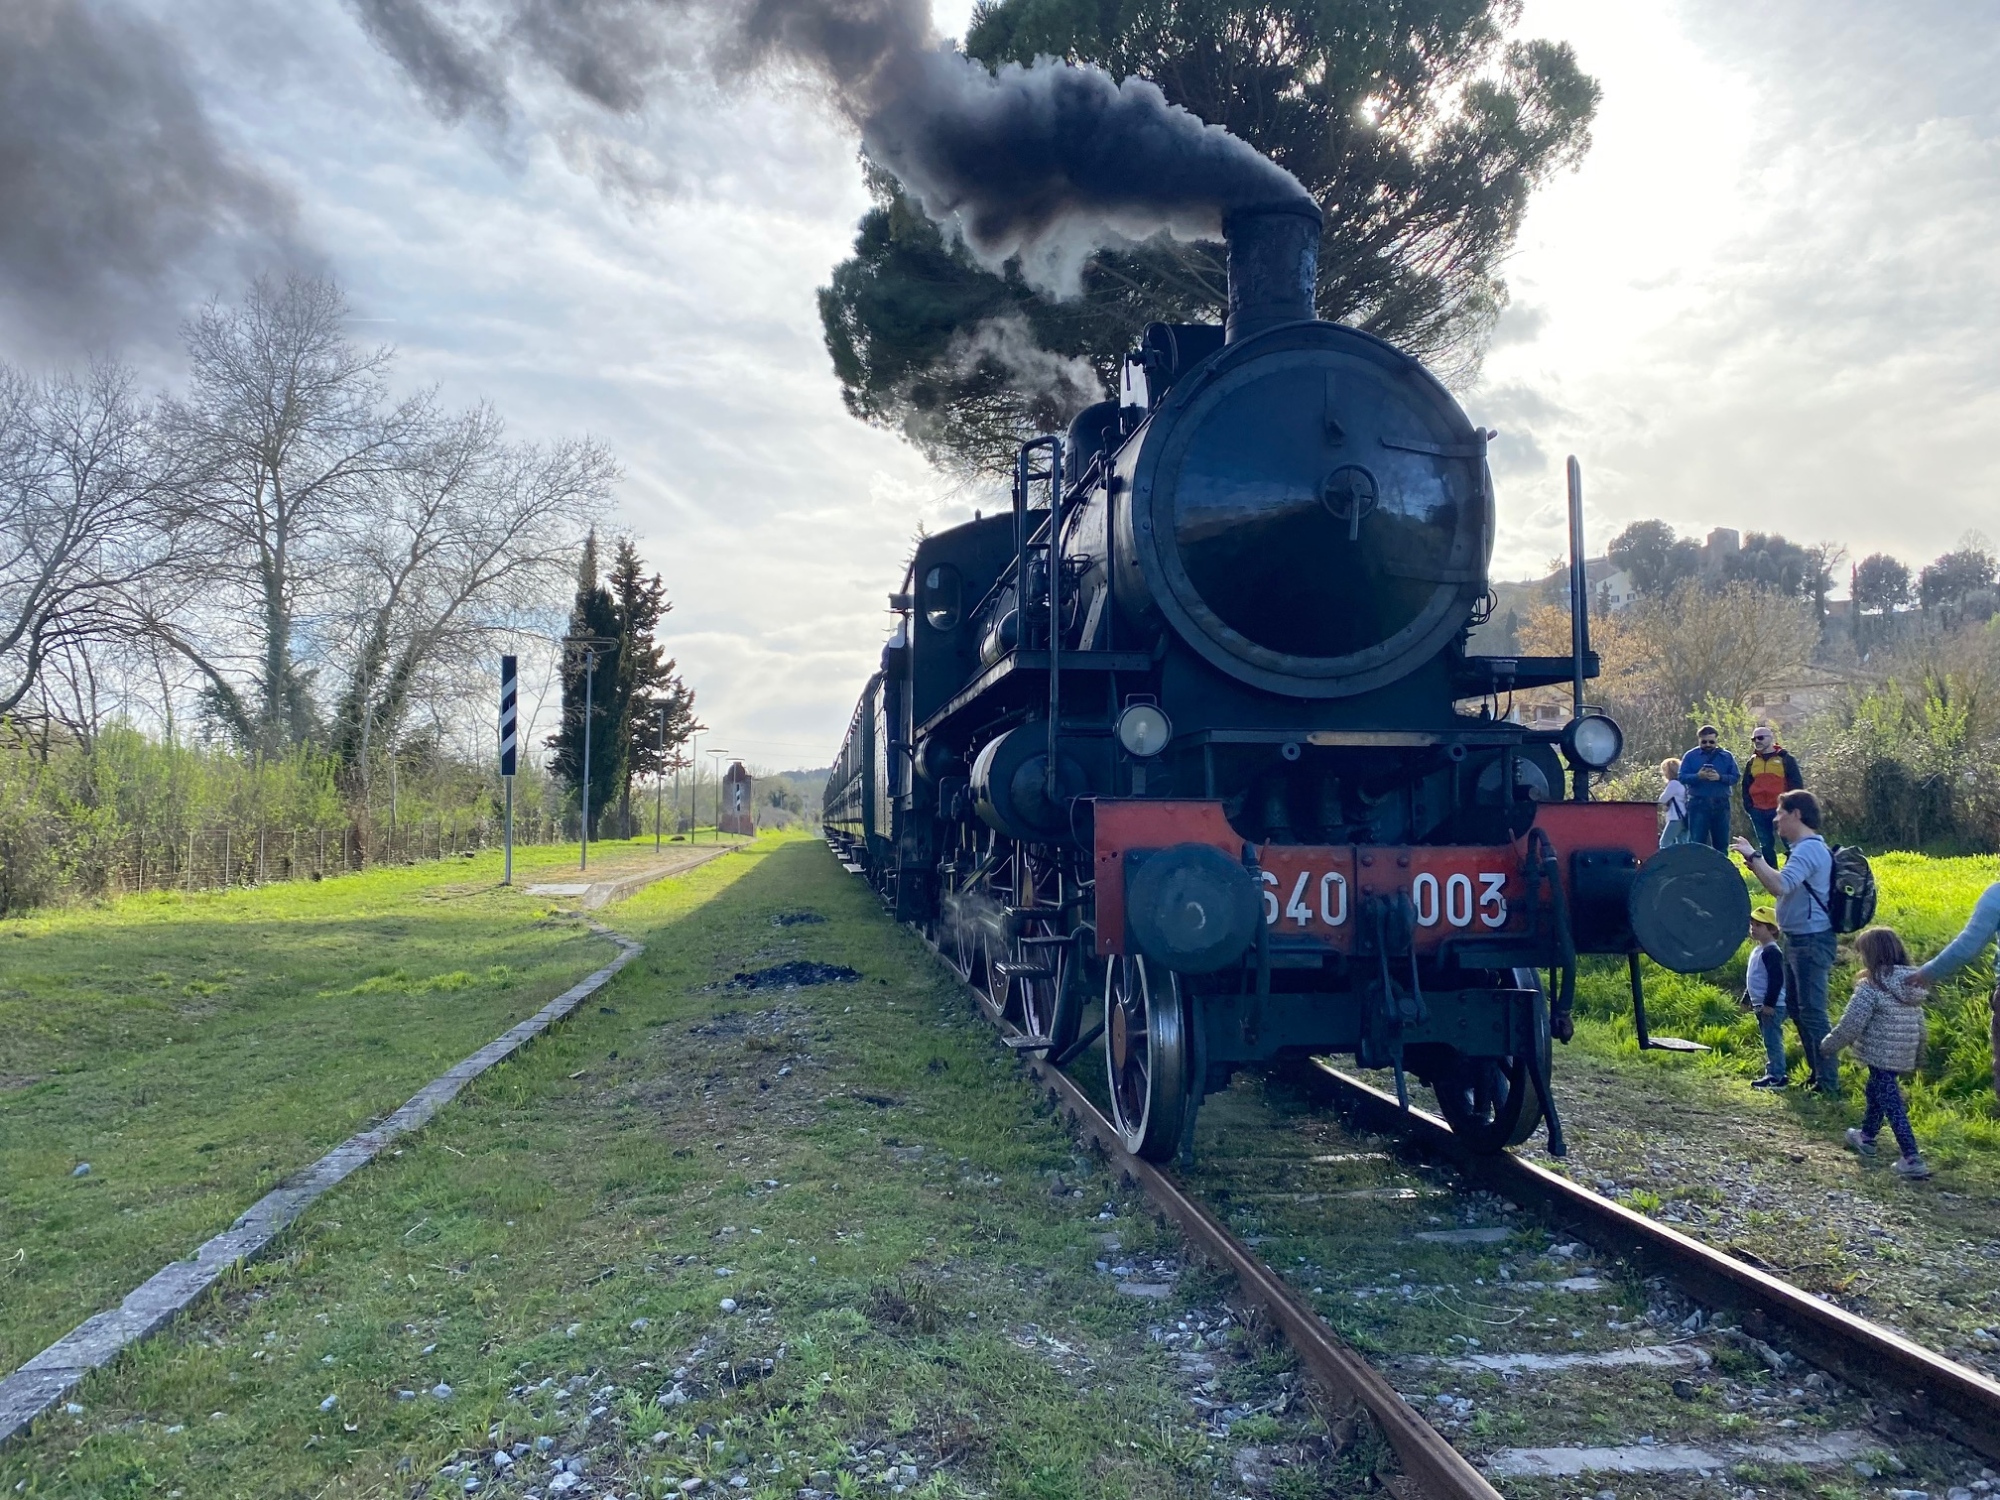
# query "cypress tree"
(591, 615)
(647, 681)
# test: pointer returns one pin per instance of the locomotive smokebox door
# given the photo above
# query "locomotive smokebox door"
(1689, 909)
(1191, 907)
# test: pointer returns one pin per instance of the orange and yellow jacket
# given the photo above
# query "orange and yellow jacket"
(1767, 777)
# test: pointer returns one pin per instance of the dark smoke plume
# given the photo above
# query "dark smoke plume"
(112, 183)
(455, 77)
(1047, 162)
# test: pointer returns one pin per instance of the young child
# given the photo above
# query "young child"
(1764, 993)
(1884, 1024)
(1674, 803)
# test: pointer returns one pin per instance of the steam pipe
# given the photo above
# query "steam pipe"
(1273, 265)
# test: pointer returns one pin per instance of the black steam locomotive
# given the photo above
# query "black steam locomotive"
(1195, 730)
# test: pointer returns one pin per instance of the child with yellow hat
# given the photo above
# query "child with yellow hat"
(1764, 993)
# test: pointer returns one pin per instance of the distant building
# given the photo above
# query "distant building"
(1724, 542)
(1614, 592)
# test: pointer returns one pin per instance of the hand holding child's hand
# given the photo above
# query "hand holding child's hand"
(1765, 1012)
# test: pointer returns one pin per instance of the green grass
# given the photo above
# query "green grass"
(1926, 900)
(899, 1217)
(194, 1049)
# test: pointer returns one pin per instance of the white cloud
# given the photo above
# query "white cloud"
(1768, 300)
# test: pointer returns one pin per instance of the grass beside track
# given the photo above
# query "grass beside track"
(1952, 1103)
(911, 1248)
(194, 1049)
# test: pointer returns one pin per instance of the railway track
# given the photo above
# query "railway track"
(1609, 1350)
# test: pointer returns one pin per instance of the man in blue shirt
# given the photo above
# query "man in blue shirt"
(1804, 888)
(1980, 930)
(1708, 772)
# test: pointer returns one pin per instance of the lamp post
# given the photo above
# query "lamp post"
(592, 646)
(660, 779)
(718, 793)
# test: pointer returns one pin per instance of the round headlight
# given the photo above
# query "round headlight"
(1593, 741)
(1144, 729)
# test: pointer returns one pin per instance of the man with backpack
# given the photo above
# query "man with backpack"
(1804, 888)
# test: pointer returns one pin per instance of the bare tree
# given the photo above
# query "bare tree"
(291, 429)
(466, 537)
(1664, 657)
(82, 477)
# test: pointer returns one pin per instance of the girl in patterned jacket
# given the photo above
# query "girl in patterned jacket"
(1884, 1024)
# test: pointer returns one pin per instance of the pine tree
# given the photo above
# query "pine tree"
(647, 685)
(593, 615)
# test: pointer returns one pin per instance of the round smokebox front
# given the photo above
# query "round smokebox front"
(1318, 514)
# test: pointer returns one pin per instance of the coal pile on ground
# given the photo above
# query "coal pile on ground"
(795, 975)
(796, 919)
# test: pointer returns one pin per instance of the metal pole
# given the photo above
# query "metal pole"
(718, 793)
(660, 778)
(694, 785)
(583, 832)
(1579, 619)
(509, 745)
(1579, 590)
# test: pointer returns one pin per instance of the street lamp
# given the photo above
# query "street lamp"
(660, 779)
(592, 646)
(717, 768)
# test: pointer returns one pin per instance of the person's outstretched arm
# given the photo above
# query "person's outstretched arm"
(1980, 929)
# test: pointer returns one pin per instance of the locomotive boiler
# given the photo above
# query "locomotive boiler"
(1187, 751)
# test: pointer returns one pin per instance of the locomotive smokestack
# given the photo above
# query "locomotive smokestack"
(1273, 265)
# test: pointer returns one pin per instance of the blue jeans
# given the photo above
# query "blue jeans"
(1675, 832)
(1765, 832)
(1708, 822)
(1773, 1030)
(1808, 967)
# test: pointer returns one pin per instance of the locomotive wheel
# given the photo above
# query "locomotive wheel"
(1492, 1103)
(1145, 1053)
(1051, 1006)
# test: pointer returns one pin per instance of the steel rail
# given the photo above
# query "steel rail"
(1931, 1390)
(1432, 1467)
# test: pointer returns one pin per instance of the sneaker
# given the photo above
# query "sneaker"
(1856, 1141)
(1768, 1082)
(1914, 1168)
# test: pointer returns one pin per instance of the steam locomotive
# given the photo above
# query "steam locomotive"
(1194, 733)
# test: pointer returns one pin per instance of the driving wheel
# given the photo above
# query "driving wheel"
(1145, 1052)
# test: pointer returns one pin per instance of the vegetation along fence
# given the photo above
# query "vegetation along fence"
(47, 860)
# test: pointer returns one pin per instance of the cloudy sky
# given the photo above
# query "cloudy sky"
(1769, 299)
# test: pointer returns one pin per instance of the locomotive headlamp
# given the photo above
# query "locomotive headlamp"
(1144, 729)
(1593, 741)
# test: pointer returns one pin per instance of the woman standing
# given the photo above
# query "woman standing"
(1980, 930)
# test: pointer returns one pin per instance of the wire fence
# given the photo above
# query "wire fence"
(52, 862)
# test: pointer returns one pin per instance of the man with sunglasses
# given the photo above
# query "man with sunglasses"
(1708, 772)
(1768, 775)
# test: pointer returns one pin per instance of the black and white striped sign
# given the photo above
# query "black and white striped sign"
(509, 738)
